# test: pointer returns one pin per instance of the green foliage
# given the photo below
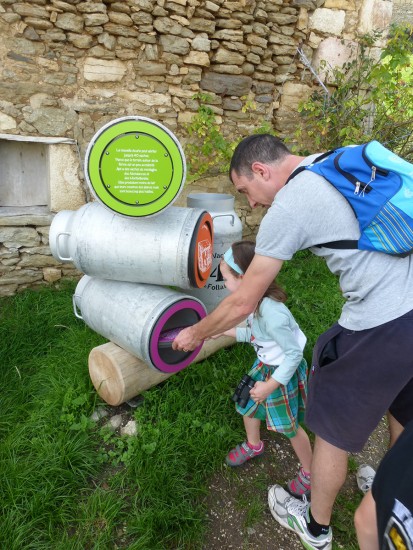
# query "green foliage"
(370, 99)
(206, 148)
(343, 521)
(115, 450)
(44, 462)
(72, 410)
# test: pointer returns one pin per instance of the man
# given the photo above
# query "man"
(363, 365)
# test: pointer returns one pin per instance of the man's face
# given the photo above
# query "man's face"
(257, 189)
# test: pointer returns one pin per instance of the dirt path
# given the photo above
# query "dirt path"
(237, 502)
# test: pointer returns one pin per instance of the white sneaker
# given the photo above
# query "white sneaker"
(365, 475)
(292, 513)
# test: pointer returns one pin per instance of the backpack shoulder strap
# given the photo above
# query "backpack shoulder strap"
(338, 245)
(302, 168)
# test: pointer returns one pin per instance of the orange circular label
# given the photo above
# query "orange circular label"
(203, 253)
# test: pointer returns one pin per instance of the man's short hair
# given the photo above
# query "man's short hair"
(263, 148)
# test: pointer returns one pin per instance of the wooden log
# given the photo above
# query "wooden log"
(117, 375)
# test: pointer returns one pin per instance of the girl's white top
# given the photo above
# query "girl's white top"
(276, 338)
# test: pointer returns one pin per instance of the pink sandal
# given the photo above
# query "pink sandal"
(242, 453)
(300, 485)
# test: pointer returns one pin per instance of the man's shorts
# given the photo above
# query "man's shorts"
(355, 377)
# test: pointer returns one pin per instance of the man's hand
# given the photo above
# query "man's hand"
(186, 340)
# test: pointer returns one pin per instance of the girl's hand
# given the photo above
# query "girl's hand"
(262, 390)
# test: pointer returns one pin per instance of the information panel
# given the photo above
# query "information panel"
(135, 166)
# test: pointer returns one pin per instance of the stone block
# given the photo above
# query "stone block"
(198, 24)
(101, 70)
(21, 277)
(95, 19)
(152, 99)
(120, 18)
(7, 289)
(26, 219)
(66, 190)
(225, 56)
(293, 93)
(375, 15)
(70, 22)
(91, 7)
(328, 21)
(334, 52)
(7, 122)
(28, 10)
(16, 237)
(37, 260)
(166, 25)
(346, 5)
(150, 68)
(231, 35)
(120, 30)
(201, 43)
(174, 44)
(232, 85)
(197, 58)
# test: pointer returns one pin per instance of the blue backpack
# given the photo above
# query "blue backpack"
(378, 184)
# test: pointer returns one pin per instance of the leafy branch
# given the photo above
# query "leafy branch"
(371, 98)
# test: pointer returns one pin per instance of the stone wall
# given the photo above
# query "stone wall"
(402, 12)
(69, 67)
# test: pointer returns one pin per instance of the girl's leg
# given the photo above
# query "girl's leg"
(252, 448)
(252, 428)
(301, 484)
(302, 447)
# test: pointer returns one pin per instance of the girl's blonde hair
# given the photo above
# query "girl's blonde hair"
(243, 252)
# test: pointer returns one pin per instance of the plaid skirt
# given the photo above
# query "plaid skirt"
(283, 409)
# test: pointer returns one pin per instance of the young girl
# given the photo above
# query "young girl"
(280, 372)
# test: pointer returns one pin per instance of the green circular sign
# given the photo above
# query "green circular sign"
(135, 166)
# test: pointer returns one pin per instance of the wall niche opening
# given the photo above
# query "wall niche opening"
(39, 175)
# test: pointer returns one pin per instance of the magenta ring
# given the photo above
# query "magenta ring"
(157, 361)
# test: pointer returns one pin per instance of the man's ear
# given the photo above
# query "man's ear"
(260, 169)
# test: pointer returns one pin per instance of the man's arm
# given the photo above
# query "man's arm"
(236, 307)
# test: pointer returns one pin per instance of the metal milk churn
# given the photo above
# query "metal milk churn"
(227, 230)
(142, 319)
(173, 248)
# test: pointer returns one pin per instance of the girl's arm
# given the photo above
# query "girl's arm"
(230, 332)
(262, 390)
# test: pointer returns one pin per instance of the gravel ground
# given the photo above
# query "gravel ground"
(234, 524)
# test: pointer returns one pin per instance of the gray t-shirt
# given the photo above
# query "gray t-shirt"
(309, 211)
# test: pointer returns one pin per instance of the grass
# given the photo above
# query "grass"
(66, 483)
